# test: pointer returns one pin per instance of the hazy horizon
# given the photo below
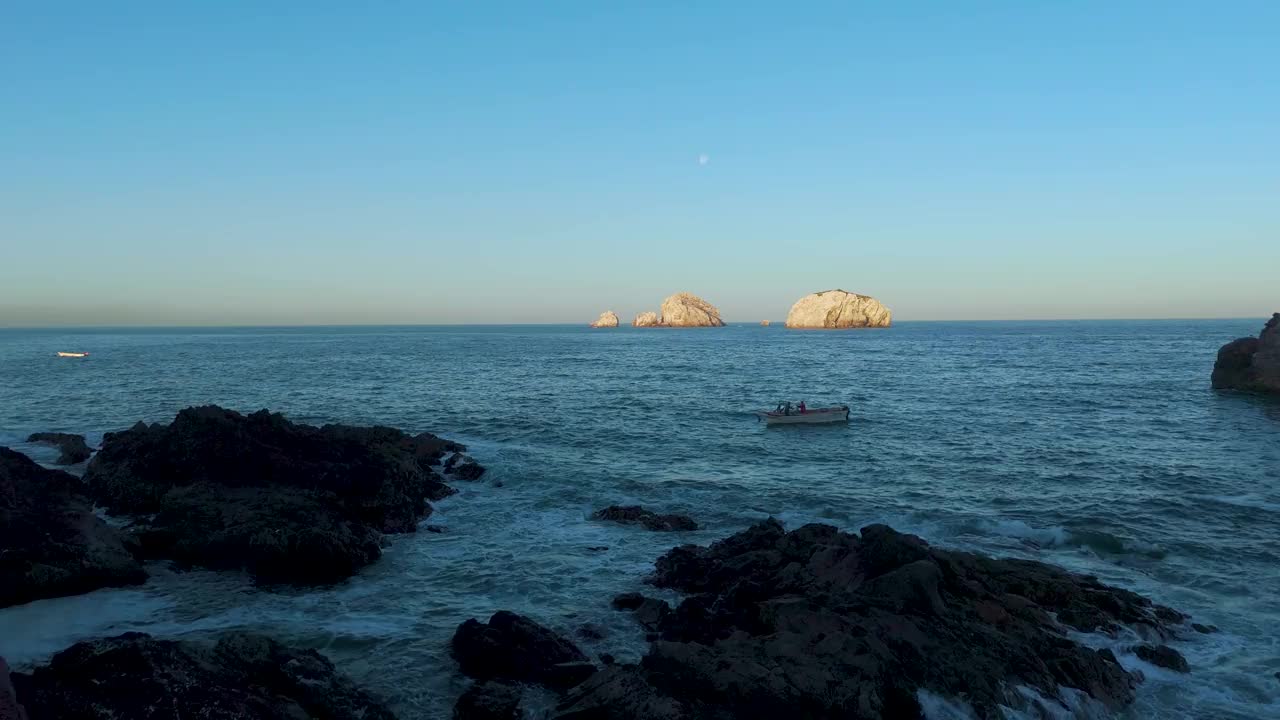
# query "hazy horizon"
(231, 165)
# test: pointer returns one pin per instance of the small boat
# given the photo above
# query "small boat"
(786, 414)
(67, 354)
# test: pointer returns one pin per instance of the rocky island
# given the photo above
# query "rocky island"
(607, 319)
(688, 310)
(646, 319)
(1251, 363)
(838, 309)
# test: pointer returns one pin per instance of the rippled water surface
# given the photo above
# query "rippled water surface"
(1096, 445)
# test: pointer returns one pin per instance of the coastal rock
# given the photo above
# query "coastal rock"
(243, 676)
(287, 502)
(646, 319)
(821, 623)
(51, 542)
(1163, 656)
(1251, 364)
(74, 448)
(608, 319)
(834, 309)
(634, 514)
(513, 647)
(764, 323)
(463, 467)
(10, 709)
(489, 701)
(688, 310)
(649, 612)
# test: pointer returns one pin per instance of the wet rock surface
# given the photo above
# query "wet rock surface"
(287, 502)
(1163, 656)
(489, 701)
(514, 648)
(73, 449)
(51, 542)
(243, 676)
(636, 515)
(820, 623)
(463, 467)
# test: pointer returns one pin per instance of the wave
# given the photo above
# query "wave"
(1101, 542)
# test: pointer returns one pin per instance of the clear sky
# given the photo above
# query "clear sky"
(423, 162)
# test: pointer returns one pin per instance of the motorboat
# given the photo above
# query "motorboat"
(788, 414)
(71, 354)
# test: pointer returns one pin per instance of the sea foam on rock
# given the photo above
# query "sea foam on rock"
(838, 309)
(51, 542)
(287, 502)
(73, 447)
(243, 676)
(1251, 363)
(821, 623)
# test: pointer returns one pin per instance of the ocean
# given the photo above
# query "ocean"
(1095, 445)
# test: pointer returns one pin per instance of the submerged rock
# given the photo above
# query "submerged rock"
(489, 701)
(287, 502)
(513, 647)
(634, 514)
(1163, 656)
(51, 542)
(646, 319)
(608, 319)
(821, 623)
(74, 448)
(1251, 363)
(836, 309)
(244, 676)
(688, 310)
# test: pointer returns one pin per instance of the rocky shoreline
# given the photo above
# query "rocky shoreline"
(812, 622)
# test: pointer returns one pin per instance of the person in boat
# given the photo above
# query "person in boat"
(801, 407)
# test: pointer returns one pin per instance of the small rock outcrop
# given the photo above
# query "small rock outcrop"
(286, 502)
(514, 648)
(1251, 364)
(74, 448)
(489, 701)
(688, 310)
(634, 514)
(51, 542)
(10, 708)
(607, 319)
(243, 676)
(764, 323)
(838, 309)
(646, 319)
(827, 624)
(463, 467)
(1163, 656)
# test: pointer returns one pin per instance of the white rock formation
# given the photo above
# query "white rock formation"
(646, 319)
(607, 319)
(688, 310)
(838, 309)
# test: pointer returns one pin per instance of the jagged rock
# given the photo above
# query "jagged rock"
(627, 601)
(1251, 363)
(1163, 656)
(287, 502)
(489, 701)
(464, 467)
(608, 319)
(688, 310)
(646, 319)
(513, 647)
(244, 676)
(10, 709)
(51, 542)
(73, 447)
(832, 309)
(633, 514)
(826, 624)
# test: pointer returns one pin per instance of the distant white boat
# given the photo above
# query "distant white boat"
(786, 414)
(67, 354)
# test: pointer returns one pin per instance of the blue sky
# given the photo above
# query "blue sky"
(338, 162)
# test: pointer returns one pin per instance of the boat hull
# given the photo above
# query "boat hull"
(68, 354)
(816, 416)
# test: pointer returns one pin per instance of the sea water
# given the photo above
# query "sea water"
(1094, 445)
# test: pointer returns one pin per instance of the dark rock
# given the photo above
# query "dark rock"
(634, 514)
(489, 701)
(568, 674)
(463, 466)
(628, 601)
(513, 647)
(1204, 629)
(9, 707)
(74, 448)
(51, 542)
(598, 548)
(287, 502)
(1251, 363)
(651, 613)
(243, 676)
(606, 659)
(434, 529)
(1163, 656)
(821, 623)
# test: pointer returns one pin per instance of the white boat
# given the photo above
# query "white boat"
(67, 354)
(786, 415)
